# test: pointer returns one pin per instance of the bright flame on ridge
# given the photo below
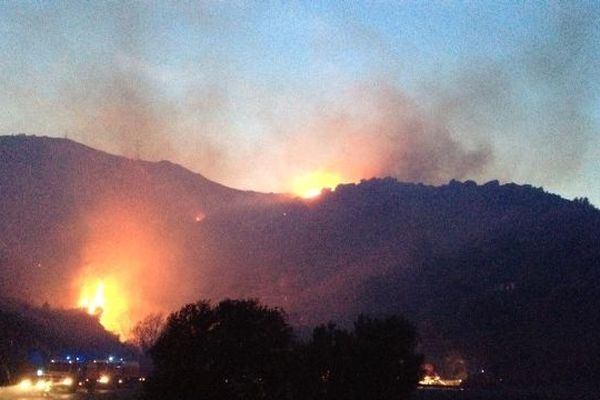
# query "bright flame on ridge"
(93, 304)
(310, 185)
(103, 298)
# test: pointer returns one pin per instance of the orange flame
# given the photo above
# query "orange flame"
(127, 267)
(94, 305)
(105, 299)
(311, 184)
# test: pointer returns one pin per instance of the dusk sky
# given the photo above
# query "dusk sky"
(256, 94)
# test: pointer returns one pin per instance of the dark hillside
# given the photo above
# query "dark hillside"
(58, 196)
(502, 277)
(494, 274)
(31, 336)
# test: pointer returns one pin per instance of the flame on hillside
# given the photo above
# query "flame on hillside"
(96, 303)
(311, 184)
(129, 269)
(104, 298)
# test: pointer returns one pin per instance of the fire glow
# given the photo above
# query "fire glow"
(310, 185)
(104, 299)
(94, 304)
(127, 267)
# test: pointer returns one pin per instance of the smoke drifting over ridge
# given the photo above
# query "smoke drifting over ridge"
(538, 106)
(480, 119)
(526, 115)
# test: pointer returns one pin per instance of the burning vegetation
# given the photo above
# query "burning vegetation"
(124, 276)
(311, 184)
(105, 299)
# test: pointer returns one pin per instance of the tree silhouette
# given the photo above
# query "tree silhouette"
(235, 350)
(240, 349)
(375, 361)
(147, 331)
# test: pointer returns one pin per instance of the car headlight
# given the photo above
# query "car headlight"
(25, 384)
(42, 385)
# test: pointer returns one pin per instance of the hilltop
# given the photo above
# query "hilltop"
(500, 277)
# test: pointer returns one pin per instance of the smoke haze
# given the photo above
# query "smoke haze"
(138, 89)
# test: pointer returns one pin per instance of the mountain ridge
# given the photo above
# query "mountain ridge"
(479, 268)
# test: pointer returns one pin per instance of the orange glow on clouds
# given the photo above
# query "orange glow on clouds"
(310, 185)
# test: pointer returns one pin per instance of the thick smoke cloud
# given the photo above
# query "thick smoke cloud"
(486, 119)
(378, 130)
(526, 116)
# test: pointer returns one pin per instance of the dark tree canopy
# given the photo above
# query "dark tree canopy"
(237, 349)
(147, 331)
(376, 361)
(240, 349)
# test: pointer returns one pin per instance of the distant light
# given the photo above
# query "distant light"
(68, 358)
(42, 385)
(40, 372)
(483, 371)
(110, 358)
(25, 384)
(104, 379)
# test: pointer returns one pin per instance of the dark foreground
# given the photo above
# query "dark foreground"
(12, 393)
(496, 394)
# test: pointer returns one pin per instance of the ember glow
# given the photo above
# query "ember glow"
(310, 185)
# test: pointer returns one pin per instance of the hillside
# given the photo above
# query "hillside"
(497, 277)
(58, 196)
(35, 334)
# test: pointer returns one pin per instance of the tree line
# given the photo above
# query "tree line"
(240, 349)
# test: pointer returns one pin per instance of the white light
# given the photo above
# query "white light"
(39, 372)
(25, 384)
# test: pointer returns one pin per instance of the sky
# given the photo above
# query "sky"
(257, 95)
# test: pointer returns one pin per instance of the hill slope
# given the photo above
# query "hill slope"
(64, 206)
(494, 275)
(32, 336)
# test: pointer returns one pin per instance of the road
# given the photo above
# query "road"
(15, 393)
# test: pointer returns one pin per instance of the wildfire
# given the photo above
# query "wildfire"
(104, 299)
(311, 184)
(96, 304)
